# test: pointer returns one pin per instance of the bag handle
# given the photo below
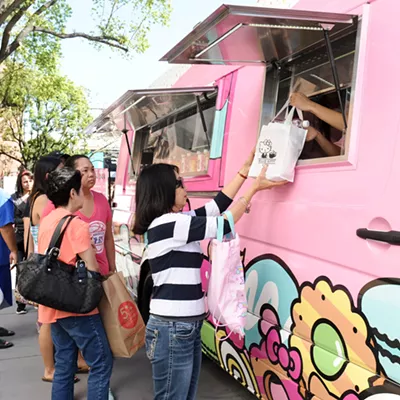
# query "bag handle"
(231, 221)
(221, 223)
(220, 228)
(289, 118)
(58, 235)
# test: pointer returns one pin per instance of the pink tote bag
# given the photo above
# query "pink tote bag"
(226, 296)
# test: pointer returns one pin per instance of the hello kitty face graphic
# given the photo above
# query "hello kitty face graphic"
(266, 149)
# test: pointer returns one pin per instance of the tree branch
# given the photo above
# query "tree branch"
(13, 134)
(26, 31)
(13, 21)
(2, 152)
(6, 9)
(108, 40)
(138, 28)
(111, 14)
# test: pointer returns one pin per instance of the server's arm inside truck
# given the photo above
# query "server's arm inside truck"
(331, 117)
(327, 146)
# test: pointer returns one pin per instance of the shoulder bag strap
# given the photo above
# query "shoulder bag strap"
(58, 234)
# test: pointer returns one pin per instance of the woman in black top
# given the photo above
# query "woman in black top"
(20, 198)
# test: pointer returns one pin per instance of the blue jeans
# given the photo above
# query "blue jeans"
(174, 349)
(86, 333)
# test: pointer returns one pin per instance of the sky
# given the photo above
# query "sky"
(106, 74)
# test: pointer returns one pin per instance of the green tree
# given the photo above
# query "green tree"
(40, 113)
(36, 26)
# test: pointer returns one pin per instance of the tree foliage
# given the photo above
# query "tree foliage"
(119, 24)
(40, 110)
(40, 113)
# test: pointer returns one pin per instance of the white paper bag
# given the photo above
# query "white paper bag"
(279, 145)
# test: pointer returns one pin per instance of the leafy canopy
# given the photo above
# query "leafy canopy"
(40, 113)
(37, 24)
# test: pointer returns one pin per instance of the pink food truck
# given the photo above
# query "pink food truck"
(321, 255)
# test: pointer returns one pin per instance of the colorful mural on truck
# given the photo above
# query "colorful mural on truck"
(312, 340)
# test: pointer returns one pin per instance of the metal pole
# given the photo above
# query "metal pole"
(125, 132)
(335, 75)
(203, 120)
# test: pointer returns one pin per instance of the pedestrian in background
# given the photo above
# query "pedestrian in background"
(8, 256)
(20, 199)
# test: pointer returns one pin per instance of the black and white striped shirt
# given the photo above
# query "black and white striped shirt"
(175, 258)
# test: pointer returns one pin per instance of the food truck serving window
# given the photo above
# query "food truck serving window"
(312, 53)
(173, 125)
(181, 137)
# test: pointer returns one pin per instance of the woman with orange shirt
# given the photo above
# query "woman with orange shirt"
(69, 331)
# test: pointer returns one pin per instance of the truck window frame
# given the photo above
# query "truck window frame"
(139, 142)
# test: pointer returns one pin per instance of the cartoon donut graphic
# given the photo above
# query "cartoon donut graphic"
(333, 340)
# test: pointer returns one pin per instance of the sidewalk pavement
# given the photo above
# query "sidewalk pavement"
(21, 370)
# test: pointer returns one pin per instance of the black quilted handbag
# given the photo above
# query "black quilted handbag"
(50, 282)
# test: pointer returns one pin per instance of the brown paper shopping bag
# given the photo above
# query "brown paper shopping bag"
(121, 318)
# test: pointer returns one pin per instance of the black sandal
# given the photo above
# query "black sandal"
(6, 332)
(5, 345)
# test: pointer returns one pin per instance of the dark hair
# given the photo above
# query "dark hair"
(20, 189)
(43, 166)
(60, 183)
(155, 194)
(64, 157)
(71, 161)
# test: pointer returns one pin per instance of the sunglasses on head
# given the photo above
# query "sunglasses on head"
(179, 183)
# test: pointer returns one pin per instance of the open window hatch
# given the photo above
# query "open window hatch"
(308, 52)
(172, 125)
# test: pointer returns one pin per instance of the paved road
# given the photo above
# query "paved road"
(21, 370)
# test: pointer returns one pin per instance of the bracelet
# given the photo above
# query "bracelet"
(246, 203)
(241, 175)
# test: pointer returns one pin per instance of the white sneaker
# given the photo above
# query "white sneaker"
(110, 395)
